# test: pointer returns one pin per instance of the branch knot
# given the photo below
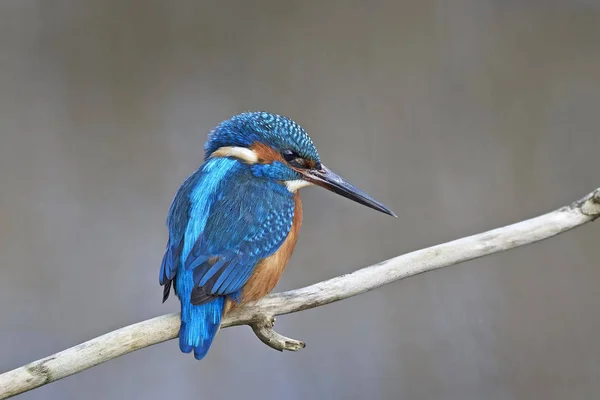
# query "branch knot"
(590, 204)
(263, 328)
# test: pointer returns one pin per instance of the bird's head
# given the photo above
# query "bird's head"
(277, 148)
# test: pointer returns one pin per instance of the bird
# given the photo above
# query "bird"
(233, 224)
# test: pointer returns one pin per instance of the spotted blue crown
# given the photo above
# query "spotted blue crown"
(247, 128)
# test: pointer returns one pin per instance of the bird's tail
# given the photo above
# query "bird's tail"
(199, 325)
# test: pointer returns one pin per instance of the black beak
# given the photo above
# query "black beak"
(324, 177)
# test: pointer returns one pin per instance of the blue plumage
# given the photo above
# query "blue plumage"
(236, 212)
(247, 128)
(223, 221)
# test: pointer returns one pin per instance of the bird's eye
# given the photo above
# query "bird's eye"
(294, 159)
(289, 155)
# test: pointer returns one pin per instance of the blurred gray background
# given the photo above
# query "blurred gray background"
(460, 115)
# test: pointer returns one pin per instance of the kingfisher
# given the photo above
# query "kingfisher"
(233, 223)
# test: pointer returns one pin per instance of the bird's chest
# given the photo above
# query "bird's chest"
(268, 271)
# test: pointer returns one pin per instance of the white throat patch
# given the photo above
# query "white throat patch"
(293, 186)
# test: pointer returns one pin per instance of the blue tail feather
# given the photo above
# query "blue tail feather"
(199, 325)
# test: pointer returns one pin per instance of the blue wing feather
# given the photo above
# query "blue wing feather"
(222, 222)
(247, 223)
(176, 222)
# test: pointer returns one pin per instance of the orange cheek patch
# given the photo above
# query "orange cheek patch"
(265, 154)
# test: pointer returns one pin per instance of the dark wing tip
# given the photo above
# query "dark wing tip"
(199, 296)
(166, 291)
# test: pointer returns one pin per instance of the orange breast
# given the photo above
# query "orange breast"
(269, 270)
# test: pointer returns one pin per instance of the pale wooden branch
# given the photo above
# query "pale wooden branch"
(263, 328)
(260, 316)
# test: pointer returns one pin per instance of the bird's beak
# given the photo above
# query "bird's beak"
(324, 177)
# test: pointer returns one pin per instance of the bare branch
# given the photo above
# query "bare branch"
(263, 328)
(260, 315)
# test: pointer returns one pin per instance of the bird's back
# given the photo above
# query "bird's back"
(228, 230)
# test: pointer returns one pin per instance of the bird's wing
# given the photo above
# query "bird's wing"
(248, 219)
